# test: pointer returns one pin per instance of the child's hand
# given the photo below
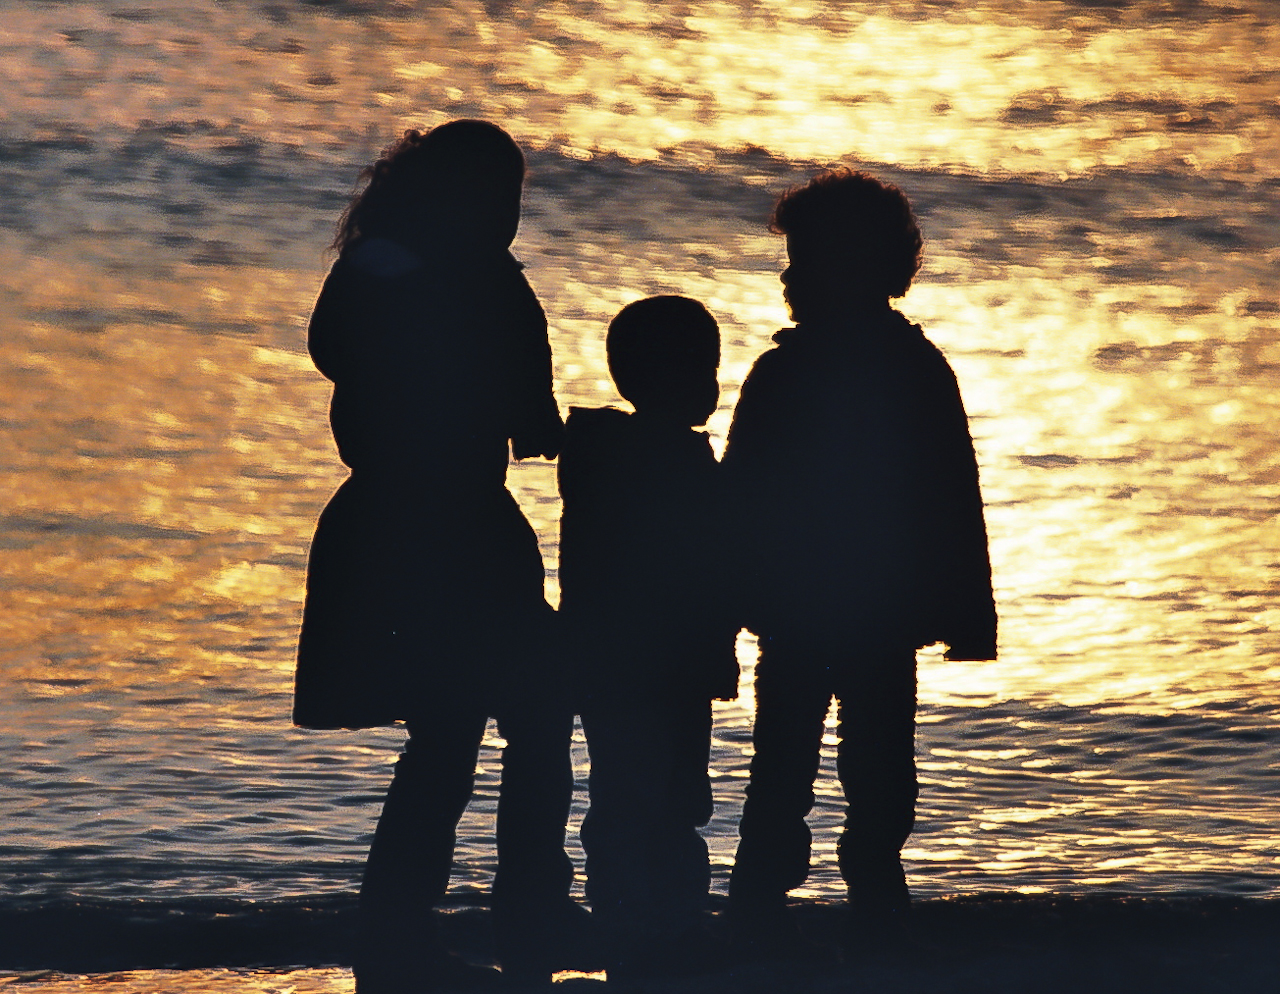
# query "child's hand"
(545, 442)
(529, 451)
(963, 652)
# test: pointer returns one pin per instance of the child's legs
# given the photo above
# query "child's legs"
(534, 875)
(792, 697)
(534, 915)
(411, 858)
(625, 784)
(684, 863)
(647, 867)
(876, 766)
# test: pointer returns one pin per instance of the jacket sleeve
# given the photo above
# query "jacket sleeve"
(537, 428)
(966, 606)
(589, 531)
(753, 425)
(748, 482)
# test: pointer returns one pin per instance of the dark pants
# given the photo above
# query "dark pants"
(648, 872)
(411, 858)
(875, 763)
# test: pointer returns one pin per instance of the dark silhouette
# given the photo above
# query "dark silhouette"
(641, 575)
(425, 584)
(856, 491)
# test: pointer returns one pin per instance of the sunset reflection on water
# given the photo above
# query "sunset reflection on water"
(1098, 192)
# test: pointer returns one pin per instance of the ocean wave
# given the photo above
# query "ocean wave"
(214, 197)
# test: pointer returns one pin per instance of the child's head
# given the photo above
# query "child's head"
(456, 185)
(852, 241)
(663, 355)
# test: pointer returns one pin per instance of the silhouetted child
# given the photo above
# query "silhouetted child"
(862, 537)
(641, 572)
(425, 583)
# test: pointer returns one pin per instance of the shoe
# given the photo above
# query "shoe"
(574, 940)
(878, 924)
(688, 953)
(880, 942)
(525, 977)
(769, 934)
(442, 972)
(533, 946)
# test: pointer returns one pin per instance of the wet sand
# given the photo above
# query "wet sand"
(991, 944)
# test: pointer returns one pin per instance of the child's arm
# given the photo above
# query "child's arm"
(537, 429)
(961, 553)
(748, 478)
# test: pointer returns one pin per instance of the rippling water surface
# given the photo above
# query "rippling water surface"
(1099, 186)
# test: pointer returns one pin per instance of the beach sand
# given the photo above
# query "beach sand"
(991, 944)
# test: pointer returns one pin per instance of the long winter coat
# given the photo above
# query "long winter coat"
(856, 488)
(425, 583)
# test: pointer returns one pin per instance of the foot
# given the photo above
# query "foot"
(440, 973)
(879, 919)
(534, 945)
(686, 953)
(769, 933)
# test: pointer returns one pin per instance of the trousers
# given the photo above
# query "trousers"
(875, 763)
(648, 872)
(411, 857)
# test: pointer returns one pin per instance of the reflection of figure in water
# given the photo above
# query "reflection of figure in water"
(425, 584)
(851, 461)
(639, 575)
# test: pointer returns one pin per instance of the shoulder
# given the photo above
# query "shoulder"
(594, 430)
(329, 318)
(775, 362)
(495, 282)
(791, 370)
(593, 453)
(382, 258)
(929, 360)
(589, 421)
(924, 377)
(362, 269)
(511, 272)
(911, 336)
(894, 341)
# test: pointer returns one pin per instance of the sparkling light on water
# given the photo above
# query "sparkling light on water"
(1097, 189)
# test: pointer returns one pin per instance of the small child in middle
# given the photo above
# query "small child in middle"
(641, 562)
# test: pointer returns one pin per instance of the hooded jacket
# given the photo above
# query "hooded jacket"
(856, 496)
(642, 559)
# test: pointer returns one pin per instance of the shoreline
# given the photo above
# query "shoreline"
(982, 943)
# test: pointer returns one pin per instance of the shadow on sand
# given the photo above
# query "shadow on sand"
(992, 944)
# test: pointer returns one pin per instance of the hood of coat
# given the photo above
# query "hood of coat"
(885, 325)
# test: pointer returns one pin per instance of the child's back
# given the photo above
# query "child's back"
(851, 449)
(437, 354)
(639, 557)
(438, 357)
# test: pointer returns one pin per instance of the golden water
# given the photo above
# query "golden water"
(1098, 189)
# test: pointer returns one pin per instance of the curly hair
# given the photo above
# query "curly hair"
(463, 167)
(851, 215)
